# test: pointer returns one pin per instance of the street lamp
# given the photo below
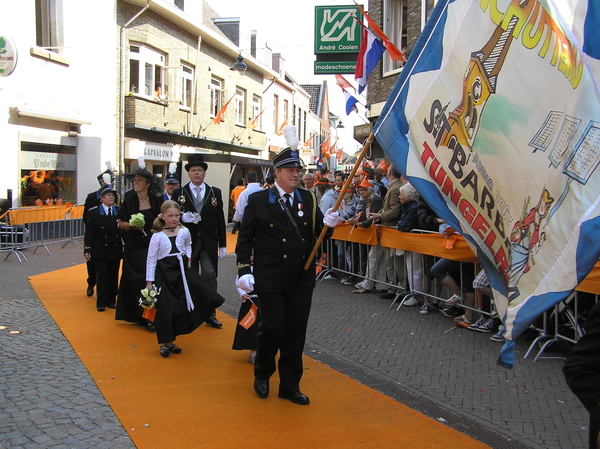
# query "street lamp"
(240, 66)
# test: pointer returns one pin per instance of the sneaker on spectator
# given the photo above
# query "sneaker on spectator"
(437, 305)
(482, 319)
(362, 290)
(498, 337)
(453, 311)
(425, 309)
(349, 281)
(412, 301)
(486, 326)
(359, 285)
(329, 276)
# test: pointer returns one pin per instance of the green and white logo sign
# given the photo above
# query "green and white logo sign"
(336, 30)
(8, 56)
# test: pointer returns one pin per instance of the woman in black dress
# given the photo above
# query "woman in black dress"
(136, 240)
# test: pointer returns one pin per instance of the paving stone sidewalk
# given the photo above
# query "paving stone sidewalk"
(48, 399)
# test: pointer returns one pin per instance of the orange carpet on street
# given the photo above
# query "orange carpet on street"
(203, 397)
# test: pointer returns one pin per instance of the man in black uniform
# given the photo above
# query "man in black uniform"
(107, 177)
(202, 205)
(103, 247)
(279, 229)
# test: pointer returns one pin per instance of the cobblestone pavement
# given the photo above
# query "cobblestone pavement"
(48, 399)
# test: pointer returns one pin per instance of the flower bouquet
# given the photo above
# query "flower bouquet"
(138, 221)
(147, 302)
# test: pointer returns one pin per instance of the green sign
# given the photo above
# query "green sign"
(332, 67)
(336, 30)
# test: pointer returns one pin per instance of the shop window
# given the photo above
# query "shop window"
(146, 72)
(47, 174)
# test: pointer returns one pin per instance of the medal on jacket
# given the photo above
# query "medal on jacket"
(300, 213)
(214, 202)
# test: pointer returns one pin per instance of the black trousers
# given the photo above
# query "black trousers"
(282, 327)
(107, 282)
(91, 271)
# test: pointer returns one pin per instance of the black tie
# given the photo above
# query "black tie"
(109, 213)
(287, 200)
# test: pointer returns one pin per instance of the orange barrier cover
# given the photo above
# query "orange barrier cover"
(76, 212)
(426, 244)
(356, 234)
(37, 214)
(591, 283)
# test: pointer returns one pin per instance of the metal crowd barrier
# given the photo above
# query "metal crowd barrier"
(357, 240)
(38, 227)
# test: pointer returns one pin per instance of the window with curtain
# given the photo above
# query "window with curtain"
(216, 95)
(240, 106)
(49, 25)
(146, 72)
(187, 78)
(395, 13)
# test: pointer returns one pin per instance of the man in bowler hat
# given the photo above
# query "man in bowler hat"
(279, 230)
(202, 207)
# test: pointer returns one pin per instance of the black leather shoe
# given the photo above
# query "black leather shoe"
(90, 291)
(112, 306)
(387, 296)
(100, 309)
(214, 323)
(296, 397)
(262, 388)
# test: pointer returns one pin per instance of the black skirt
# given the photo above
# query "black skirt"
(172, 316)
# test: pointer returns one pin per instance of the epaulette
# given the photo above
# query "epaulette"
(243, 265)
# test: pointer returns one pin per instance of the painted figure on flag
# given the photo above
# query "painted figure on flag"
(526, 240)
(498, 105)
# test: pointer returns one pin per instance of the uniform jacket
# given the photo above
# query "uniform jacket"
(211, 228)
(102, 237)
(268, 235)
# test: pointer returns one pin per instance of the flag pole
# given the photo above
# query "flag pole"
(360, 158)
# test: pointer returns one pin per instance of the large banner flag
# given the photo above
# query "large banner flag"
(495, 120)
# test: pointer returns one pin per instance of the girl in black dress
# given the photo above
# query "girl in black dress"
(185, 300)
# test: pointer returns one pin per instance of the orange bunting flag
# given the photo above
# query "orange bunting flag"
(250, 317)
(283, 125)
(325, 146)
(254, 121)
(219, 117)
(395, 54)
(343, 82)
(308, 142)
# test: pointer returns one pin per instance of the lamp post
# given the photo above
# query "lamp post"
(239, 66)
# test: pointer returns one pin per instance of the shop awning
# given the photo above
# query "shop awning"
(50, 113)
(167, 136)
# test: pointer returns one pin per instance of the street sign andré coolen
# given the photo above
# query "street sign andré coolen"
(337, 39)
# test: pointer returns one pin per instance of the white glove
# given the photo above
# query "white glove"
(246, 282)
(331, 219)
(222, 252)
(187, 217)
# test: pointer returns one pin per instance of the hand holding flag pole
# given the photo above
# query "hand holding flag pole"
(359, 160)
